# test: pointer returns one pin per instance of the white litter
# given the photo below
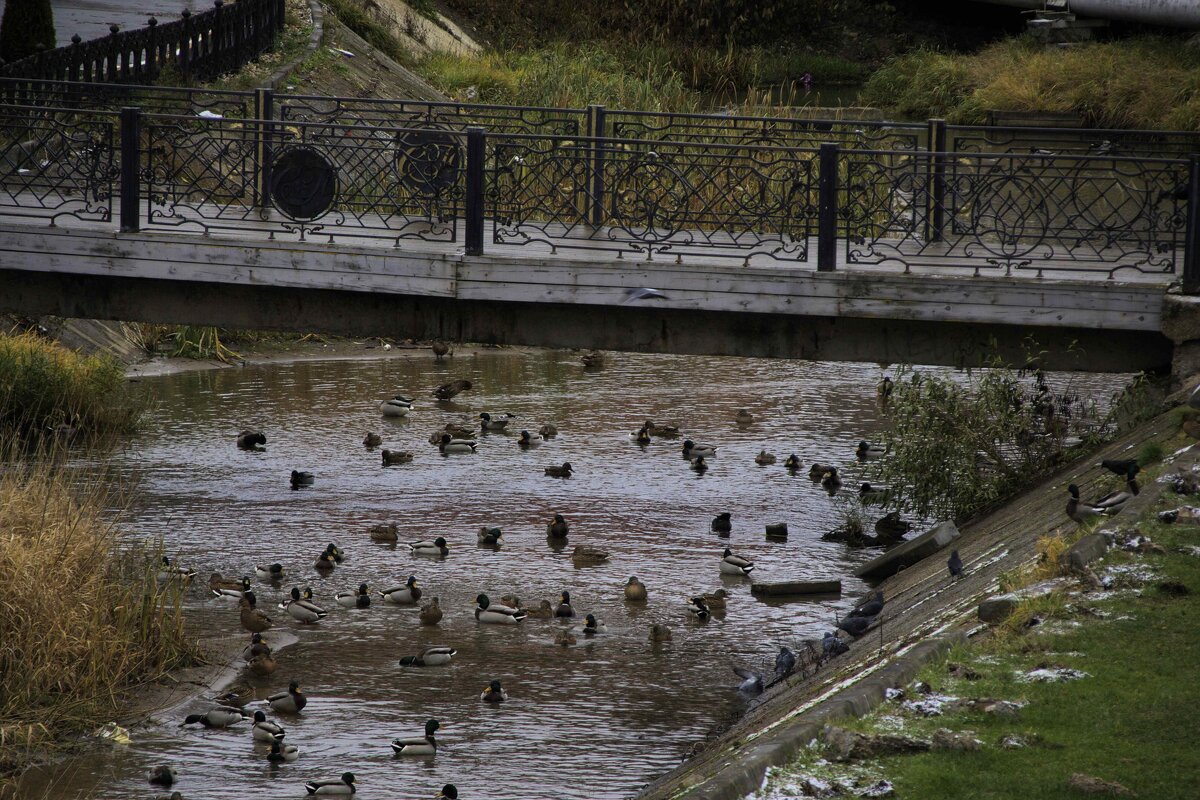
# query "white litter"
(1051, 675)
(930, 706)
(339, 50)
(206, 114)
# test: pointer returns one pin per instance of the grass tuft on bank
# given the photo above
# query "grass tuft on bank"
(81, 618)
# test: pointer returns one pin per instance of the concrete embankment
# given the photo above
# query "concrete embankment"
(926, 613)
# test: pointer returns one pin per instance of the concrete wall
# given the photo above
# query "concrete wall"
(1176, 13)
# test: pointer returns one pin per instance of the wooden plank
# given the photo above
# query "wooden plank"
(785, 588)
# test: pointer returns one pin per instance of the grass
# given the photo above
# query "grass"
(1133, 710)
(81, 619)
(43, 385)
(1141, 82)
(375, 33)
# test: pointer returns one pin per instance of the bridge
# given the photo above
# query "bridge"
(774, 237)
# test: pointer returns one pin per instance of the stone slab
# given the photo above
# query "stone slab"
(910, 552)
(780, 588)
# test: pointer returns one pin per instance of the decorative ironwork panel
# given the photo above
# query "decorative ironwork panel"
(57, 164)
(418, 113)
(764, 131)
(1072, 141)
(151, 99)
(346, 182)
(680, 200)
(1011, 213)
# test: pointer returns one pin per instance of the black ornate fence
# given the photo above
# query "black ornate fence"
(357, 179)
(198, 46)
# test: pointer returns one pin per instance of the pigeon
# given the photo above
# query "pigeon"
(634, 295)
(1121, 467)
(721, 523)
(752, 682)
(869, 607)
(785, 662)
(831, 645)
(856, 626)
(955, 565)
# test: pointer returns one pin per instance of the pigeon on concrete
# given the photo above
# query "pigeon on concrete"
(752, 682)
(955, 565)
(785, 662)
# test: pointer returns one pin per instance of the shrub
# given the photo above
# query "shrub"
(26, 27)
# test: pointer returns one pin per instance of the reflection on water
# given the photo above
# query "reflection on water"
(597, 720)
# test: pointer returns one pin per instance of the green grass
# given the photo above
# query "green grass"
(1142, 82)
(375, 33)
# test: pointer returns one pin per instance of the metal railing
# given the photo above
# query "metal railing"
(494, 191)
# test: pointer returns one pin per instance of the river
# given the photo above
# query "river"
(595, 720)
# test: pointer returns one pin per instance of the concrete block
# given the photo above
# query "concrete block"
(910, 552)
(1000, 607)
(1085, 551)
(784, 588)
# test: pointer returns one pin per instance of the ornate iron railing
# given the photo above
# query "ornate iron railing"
(199, 46)
(1071, 141)
(151, 99)
(439, 115)
(1015, 212)
(58, 164)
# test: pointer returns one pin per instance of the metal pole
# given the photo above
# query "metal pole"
(827, 208)
(1191, 245)
(474, 199)
(264, 111)
(131, 131)
(597, 117)
(935, 219)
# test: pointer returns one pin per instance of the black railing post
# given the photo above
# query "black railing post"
(473, 234)
(131, 132)
(827, 208)
(597, 129)
(935, 217)
(264, 112)
(1191, 246)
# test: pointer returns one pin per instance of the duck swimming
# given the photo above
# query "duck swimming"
(735, 565)
(831, 481)
(564, 607)
(372, 440)
(447, 391)
(404, 595)
(359, 599)
(388, 534)
(558, 528)
(303, 610)
(496, 614)
(635, 590)
(867, 451)
(251, 440)
(264, 730)
(430, 614)
(699, 464)
(764, 459)
(494, 422)
(333, 786)
(430, 657)
(169, 571)
(494, 693)
(792, 463)
(722, 523)
(593, 626)
(398, 406)
(490, 536)
(435, 548)
(817, 471)
(220, 717)
(251, 617)
(228, 587)
(292, 701)
(283, 753)
(587, 556)
(270, 572)
(301, 479)
(528, 440)
(548, 431)
(692, 450)
(418, 745)
(560, 472)
(393, 457)
(664, 431)
(449, 445)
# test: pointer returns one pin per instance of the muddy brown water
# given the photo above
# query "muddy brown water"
(596, 720)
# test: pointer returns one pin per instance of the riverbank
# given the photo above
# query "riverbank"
(927, 613)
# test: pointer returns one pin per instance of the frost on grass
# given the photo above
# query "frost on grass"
(1127, 575)
(933, 705)
(1051, 675)
(812, 776)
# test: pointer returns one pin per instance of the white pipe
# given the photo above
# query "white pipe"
(1176, 13)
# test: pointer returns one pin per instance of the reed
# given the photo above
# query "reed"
(82, 618)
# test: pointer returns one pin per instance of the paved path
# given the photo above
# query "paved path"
(91, 18)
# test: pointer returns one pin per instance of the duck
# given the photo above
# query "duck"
(543, 611)
(418, 745)
(264, 730)
(817, 471)
(664, 431)
(560, 472)
(698, 608)
(586, 556)
(228, 587)
(292, 701)
(564, 606)
(883, 392)
(405, 595)
(635, 590)
(593, 626)
(699, 464)
(233, 697)
(496, 614)
(494, 693)
(641, 436)
(448, 445)
(258, 646)
(448, 792)
(1113, 502)
(659, 633)
(716, 601)
(324, 563)
(494, 422)
(301, 479)
(458, 431)
(303, 610)
(372, 440)
(548, 431)
(388, 534)
(398, 406)
(593, 359)
(335, 552)
(744, 417)
(448, 391)
(283, 753)
(163, 775)
(867, 451)
(169, 571)
(333, 786)
(765, 459)
(692, 450)
(272, 573)
(440, 349)
(253, 619)
(392, 457)
(891, 526)
(427, 548)
(251, 440)
(722, 523)
(528, 440)
(430, 657)
(831, 481)
(490, 536)
(359, 599)
(1078, 510)
(430, 614)
(219, 717)
(874, 495)
(792, 463)
(558, 528)
(263, 665)
(565, 638)
(735, 565)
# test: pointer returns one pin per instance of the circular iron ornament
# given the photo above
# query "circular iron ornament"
(303, 184)
(428, 162)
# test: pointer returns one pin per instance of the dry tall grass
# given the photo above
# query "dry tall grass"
(81, 619)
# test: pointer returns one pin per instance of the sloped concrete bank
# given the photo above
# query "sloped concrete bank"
(926, 614)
